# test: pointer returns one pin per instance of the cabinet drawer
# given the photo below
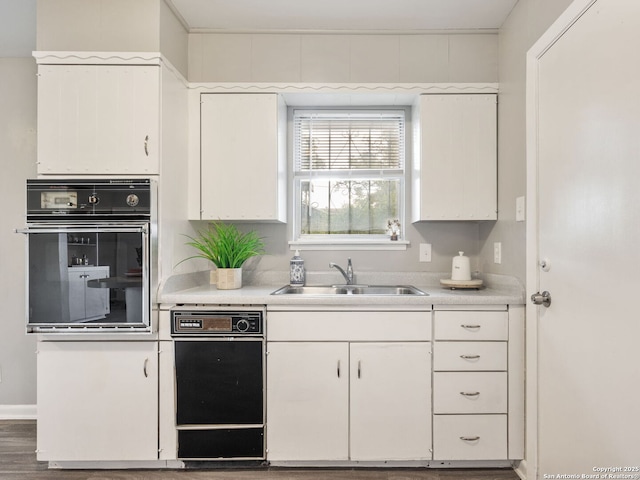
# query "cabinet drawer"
(381, 326)
(470, 392)
(469, 356)
(470, 437)
(471, 325)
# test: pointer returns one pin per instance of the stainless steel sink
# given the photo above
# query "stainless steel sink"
(392, 290)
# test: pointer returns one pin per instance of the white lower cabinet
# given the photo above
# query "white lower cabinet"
(97, 401)
(404, 386)
(308, 401)
(360, 399)
(389, 404)
(471, 385)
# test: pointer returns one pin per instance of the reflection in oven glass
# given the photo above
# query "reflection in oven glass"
(86, 277)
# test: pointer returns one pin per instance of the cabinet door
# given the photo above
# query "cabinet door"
(97, 401)
(87, 303)
(242, 170)
(390, 401)
(456, 178)
(98, 119)
(77, 286)
(307, 401)
(96, 300)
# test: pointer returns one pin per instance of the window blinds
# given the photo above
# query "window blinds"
(335, 141)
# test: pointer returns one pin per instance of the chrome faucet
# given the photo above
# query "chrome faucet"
(348, 275)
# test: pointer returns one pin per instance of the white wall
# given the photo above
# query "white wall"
(343, 58)
(174, 39)
(333, 58)
(17, 163)
(112, 26)
(95, 25)
(527, 21)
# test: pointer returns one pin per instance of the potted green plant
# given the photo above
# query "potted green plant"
(227, 248)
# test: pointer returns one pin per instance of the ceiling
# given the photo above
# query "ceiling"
(18, 17)
(342, 15)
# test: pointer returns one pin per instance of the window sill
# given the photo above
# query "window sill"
(349, 245)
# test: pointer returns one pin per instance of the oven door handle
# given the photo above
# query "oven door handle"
(81, 229)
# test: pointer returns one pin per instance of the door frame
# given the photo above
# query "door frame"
(529, 467)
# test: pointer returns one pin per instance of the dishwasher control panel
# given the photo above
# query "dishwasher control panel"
(199, 322)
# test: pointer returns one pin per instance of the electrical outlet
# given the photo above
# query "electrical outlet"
(425, 252)
(497, 252)
(520, 207)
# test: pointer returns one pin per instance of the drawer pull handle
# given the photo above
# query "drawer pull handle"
(338, 369)
(470, 439)
(470, 326)
(470, 394)
(146, 145)
(470, 357)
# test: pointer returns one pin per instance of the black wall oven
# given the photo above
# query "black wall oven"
(88, 255)
(219, 368)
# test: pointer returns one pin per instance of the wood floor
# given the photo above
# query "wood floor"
(18, 462)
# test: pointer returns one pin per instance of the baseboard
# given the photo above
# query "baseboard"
(18, 412)
(521, 470)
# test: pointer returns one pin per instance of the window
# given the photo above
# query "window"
(348, 175)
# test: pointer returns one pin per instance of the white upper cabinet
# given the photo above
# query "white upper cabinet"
(98, 119)
(455, 157)
(242, 157)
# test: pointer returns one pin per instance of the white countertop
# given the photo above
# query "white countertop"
(499, 290)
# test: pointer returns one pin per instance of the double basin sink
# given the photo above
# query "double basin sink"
(393, 290)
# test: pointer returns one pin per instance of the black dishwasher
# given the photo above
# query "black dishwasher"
(219, 368)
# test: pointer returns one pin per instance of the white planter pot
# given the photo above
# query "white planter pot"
(228, 278)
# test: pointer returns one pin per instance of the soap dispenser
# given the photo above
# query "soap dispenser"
(296, 270)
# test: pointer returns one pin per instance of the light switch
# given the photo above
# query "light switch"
(425, 252)
(497, 252)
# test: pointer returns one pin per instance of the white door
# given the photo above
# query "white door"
(307, 401)
(390, 401)
(584, 174)
(97, 401)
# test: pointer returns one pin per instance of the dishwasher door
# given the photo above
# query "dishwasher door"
(220, 398)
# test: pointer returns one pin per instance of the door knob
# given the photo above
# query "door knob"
(543, 298)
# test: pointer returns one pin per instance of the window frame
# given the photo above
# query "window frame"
(350, 241)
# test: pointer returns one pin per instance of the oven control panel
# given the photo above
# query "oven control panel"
(184, 322)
